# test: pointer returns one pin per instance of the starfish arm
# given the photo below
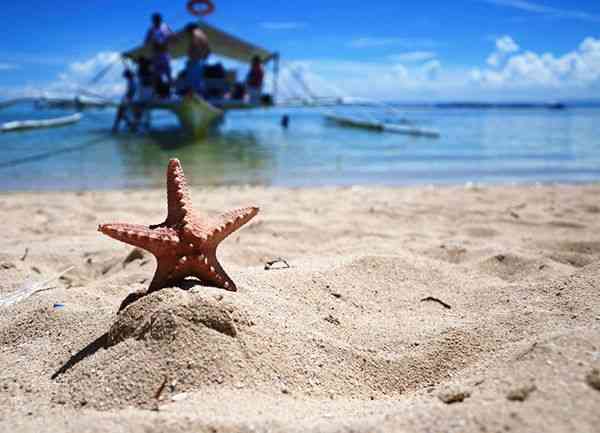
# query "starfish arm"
(231, 221)
(157, 241)
(209, 271)
(178, 194)
(163, 275)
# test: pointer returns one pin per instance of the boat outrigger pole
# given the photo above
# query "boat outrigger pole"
(275, 76)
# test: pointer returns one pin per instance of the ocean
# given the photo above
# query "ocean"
(483, 146)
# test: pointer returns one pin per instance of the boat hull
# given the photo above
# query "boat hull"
(197, 117)
(352, 122)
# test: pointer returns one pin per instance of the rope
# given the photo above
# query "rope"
(47, 155)
(103, 72)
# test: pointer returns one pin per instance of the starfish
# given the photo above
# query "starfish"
(186, 243)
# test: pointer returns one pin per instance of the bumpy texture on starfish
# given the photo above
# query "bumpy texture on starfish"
(186, 243)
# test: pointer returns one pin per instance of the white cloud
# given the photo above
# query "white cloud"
(283, 25)
(505, 45)
(82, 76)
(373, 42)
(8, 67)
(88, 68)
(518, 74)
(431, 69)
(376, 80)
(77, 79)
(539, 8)
(573, 71)
(413, 56)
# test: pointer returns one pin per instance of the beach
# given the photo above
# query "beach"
(388, 309)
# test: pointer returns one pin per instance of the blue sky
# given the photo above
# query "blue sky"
(389, 49)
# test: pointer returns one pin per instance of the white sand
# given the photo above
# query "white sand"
(340, 341)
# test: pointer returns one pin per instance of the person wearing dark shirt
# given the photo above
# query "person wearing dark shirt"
(254, 80)
(159, 35)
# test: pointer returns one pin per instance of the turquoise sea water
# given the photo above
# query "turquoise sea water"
(486, 146)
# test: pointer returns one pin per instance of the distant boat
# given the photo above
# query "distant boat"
(77, 103)
(354, 122)
(501, 105)
(21, 125)
(10, 102)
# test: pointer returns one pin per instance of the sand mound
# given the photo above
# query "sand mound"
(184, 337)
(574, 253)
(208, 337)
(517, 268)
(164, 315)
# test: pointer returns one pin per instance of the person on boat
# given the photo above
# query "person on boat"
(159, 35)
(159, 32)
(145, 80)
(198, 52)
(145, 91)
(126, 102)
(254, 80)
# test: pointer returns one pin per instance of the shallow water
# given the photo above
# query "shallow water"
(486, 146)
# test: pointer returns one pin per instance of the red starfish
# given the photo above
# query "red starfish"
(186, 243)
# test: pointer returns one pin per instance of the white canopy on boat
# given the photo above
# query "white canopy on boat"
(221, 43)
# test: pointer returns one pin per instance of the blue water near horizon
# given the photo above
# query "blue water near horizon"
(489, 146)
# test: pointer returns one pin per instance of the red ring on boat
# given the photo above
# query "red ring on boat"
(210, 7)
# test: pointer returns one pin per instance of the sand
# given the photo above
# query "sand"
(402, 310)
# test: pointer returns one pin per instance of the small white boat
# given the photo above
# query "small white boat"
(20, 125)
(354, 122)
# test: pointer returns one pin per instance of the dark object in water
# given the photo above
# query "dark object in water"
(285, 121)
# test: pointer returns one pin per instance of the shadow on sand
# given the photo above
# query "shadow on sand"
(99, 343)
(104, 342)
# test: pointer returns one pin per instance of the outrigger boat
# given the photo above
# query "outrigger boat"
(22, 125)
(374, 125)
(197, 114)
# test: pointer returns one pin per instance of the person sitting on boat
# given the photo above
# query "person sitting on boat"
(198, 52)
(159, 36)
(254, 80)
(126, 102)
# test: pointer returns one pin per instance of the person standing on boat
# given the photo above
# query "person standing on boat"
(254, 80)
(198, 52)
(159, 36)
(126, 103)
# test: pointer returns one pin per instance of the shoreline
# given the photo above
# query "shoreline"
(315, 187)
